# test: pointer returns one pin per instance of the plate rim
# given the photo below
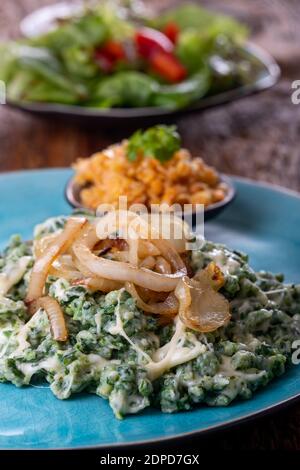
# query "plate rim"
(190, 434)
(186, 435)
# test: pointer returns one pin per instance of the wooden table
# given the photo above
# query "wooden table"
(257, 137)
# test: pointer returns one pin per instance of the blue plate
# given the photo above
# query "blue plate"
(263, 221)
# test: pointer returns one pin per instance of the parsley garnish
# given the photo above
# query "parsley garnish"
(160, 142)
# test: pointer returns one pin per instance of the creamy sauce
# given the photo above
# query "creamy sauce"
(8, 305)
(229, 371)
(97, 362)
(169, 355)
(228, 265)
(29, 369)
(59, 289)
(4, 342)
(174, 353)
(98, 321)
(21, 336)
(13, 273)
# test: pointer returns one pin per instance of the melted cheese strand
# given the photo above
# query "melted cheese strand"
(174, 352)
(118, 329)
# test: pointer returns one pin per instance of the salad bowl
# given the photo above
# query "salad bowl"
(111, 64)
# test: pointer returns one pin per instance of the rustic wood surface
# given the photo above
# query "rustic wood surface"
(257, 137)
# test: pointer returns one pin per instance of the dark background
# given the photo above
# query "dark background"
(257, 137)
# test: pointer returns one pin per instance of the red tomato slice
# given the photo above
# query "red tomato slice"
(171, 30)
(149, 40)
(168, 66)
(109, 54)
(114, 49)
(105, 63)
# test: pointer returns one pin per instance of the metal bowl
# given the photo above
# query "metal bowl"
(72, 195)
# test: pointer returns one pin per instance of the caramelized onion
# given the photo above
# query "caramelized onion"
(171, 255)
(119, 271)
(148, 295)
(133, 257)
(122, 221)
(65, 273)
(211, 275)
(168, 308)
(97, 284)
(141, 236)
(150, 267)
(130, 222)
(42, 244)
(109, 244)
(65, 268)
(171, 228)
(42, 265)
(148, 262)
(146, 248)
(162, 266)
(55, 315)
(201, 308)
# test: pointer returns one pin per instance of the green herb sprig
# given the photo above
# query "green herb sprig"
(160, 142)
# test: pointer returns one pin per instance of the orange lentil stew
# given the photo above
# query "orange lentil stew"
(149, 168)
